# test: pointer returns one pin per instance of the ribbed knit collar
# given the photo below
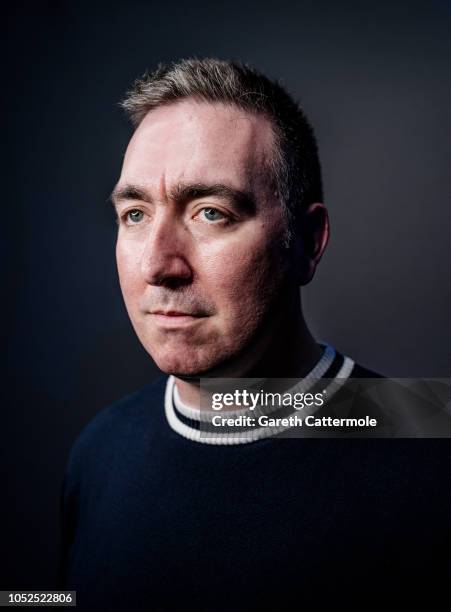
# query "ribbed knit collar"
(193, 423)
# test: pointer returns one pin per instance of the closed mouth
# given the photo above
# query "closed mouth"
(175, 313)
(176, 320)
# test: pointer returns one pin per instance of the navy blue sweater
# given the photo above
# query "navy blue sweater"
(153, 521)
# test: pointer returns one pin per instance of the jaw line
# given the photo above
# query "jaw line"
(225, 369)
(244, 358)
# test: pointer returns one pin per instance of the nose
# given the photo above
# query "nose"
(164, 259)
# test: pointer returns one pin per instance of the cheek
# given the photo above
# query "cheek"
(243, 278)
(128, 267)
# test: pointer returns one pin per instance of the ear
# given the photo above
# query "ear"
(312, 236)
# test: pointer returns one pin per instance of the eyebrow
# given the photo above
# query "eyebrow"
(184, 192)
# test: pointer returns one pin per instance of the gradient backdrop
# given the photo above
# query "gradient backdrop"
(375, 80)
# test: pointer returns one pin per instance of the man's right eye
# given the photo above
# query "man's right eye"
(134, 216)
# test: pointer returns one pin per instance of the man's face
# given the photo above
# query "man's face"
(200, 242)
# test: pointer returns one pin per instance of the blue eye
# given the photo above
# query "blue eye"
(135, 215)
(212, 214)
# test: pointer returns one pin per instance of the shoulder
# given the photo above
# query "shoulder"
(124, 412)
(117, 425)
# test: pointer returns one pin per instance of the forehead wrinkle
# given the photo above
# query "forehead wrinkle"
(182, 192)
(163, 193)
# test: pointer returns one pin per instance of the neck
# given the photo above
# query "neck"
(287, 350)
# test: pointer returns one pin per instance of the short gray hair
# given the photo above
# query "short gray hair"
(295, 166)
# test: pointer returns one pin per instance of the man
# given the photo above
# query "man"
(220, 221)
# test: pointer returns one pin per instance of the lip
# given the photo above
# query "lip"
(173, 319)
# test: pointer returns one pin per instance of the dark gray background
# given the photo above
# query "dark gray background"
(374, 79)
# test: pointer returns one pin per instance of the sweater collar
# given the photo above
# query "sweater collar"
(197, 425)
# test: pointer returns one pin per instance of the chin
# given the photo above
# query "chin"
(192, 366)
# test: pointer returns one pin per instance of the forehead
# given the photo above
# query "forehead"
(193, 141)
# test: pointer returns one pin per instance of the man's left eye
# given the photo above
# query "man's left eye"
(212, 214)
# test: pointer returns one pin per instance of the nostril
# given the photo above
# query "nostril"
(175, 283)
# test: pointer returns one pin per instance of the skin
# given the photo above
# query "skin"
(217, 258)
